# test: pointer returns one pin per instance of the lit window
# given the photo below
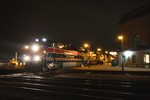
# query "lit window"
(146, 58)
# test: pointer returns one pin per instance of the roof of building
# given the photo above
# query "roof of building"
(143, 10)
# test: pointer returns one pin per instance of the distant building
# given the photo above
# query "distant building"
(135, 27)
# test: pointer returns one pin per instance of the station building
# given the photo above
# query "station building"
(134, 26)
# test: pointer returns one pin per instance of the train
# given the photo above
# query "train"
(49, 58)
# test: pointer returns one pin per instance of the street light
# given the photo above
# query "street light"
(121, 39)
(26, 47)
(88, 52)
(86, 45)
(99, 49)
(99, 53)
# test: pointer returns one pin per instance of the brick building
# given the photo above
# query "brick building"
(135, 28)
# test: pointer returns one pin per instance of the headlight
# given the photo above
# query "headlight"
(35, 48)
(36, 58)
(26, 58)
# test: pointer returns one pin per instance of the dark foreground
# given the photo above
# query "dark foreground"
(74, 84)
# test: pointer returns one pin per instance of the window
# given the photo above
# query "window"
(137, 40)
(146, 58)
(50, 55)
(134, 59)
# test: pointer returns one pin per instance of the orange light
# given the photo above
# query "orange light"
(120, 37)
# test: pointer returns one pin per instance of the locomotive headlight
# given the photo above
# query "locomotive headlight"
(35, 48)
(26, 58)
(36, 58)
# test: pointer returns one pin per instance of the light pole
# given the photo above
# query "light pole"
(88, 53)
(16, 58)
(121, 39)
(106, 57)
(99, 53)
(88, 49)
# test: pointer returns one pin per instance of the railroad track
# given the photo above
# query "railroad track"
(34, 87)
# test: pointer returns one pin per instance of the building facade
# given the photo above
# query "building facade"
(135, 28)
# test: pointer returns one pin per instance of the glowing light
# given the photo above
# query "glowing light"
(35, 48)
(21, 64)
(128, 53)
(120, 37)
(44, 39)
(113, 53)
(61, 46)
(44, 51)
(37, 40)
(26, 47)
(36, 58)
(99, 49)
(106, 52)
(26, 58)
(146, 58)
(94, 55)
(86, 45)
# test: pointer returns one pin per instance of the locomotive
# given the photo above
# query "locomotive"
(44, 57)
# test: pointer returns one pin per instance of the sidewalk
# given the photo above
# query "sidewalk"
(108, 67)
(107, 72)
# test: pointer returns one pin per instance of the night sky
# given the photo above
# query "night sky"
(70, 21)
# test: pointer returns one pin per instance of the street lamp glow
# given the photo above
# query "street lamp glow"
(120, 37)
(86, 45)
(106, 52)
(88, 51)
(26, 47)
(99, 49)
(122, 55)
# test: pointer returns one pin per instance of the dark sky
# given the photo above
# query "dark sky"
(71, 21)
